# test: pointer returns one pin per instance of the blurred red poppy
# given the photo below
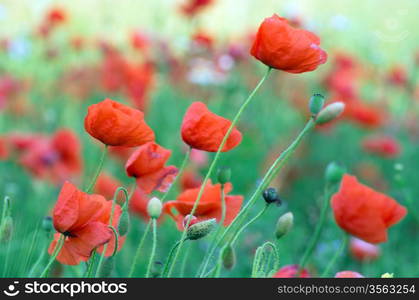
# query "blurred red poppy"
(210, 205)
(147, 165)
(280, 46)
(291, 271)
(192, 7)
(362, 250)
(138, 204)
(4, 151)
(348, 274)
(398, 76)
(79, 217)
(204, 130)
(363, 212)
(116, 124)
(385, 146)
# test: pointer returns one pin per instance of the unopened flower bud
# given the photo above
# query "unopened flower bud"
(47, 224)
(316, 104)
(223, 175)
(154, 208)
(6, 229)
(271, 196)
(387, 275)
(228, 257)
(193, 220)
(330, 112)
(124, 221)
(334, 173)
(284, 224)
(200, 229)
(107, 267)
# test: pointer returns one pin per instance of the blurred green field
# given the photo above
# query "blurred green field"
(366, 29)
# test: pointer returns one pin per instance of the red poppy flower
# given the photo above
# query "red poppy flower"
(116, 124)
(210, 205)
(398, 76)
(291, 271)
(384, 146)
(204, 130)
(348, 274)
(4, 151)
(363, 212)
(80, 217)
(280, 46)
(56, 15)
(192, 7)
(106, 185)
(147, 165)
(190, 180)
(362, 250)
(365, 115)
(138, 204)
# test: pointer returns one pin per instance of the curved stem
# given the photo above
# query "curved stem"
(138, 252)
(236, 236)
(216, 157)
(179, 173)
(169, 259)
(57, 249)
(185, 259)
(337, 254)
(153, 249)
(315, 238)
(274, 169)
(99, 168)
(91, 264)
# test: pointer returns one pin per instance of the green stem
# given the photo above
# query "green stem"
(153, 249)
(236, 236)
(185, 259)
(215, 160)
(99, 168)
(138, 252)
(274, 169)
(319, 227)
(105, 248)
(57, 249)
(178, 175)
(169, 259)
(337, 254)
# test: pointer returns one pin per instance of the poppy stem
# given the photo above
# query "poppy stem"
(319, 227)
(98, 170)
(138, 252)
(337, 254)
(153, 249)
(57, 249)
(215, 160)
(272, 172)
(178, 175)
(105, 247)
(169, 259)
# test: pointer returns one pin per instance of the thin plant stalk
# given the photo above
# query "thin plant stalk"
(336, 256)
(98, 170)
(138, 251)
(153, 249)
(57, 249)
(215, 160)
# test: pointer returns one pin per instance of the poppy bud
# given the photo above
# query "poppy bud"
(154, 208)
(124, 221)
(271, 196)
(193, 220)
(284, 225)
(387, 275)
(224, 175)
(330, 112)
(107, 267)
(228, 257)
(6, 229)
(47, 225)
(200, 229)
(316, 104)
(334, 173)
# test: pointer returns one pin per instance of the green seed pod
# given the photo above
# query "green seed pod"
(107, 267)
(228, 257)
(200, 229)
(47, 224)
(334, 173)
(316, 104)
(330, 112)
(284, 224)
(124, 222)
(223, 175)
(154, 208)
(6, 229)
(387, 275)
